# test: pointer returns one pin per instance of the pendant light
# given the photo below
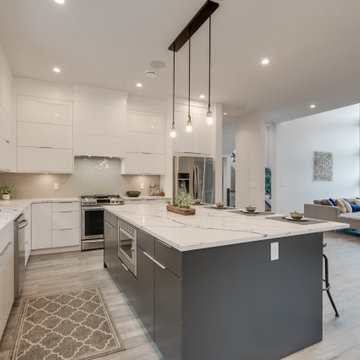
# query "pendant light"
(173, 129)
(209, 117)
(188, 123)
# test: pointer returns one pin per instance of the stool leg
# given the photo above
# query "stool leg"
(327, 285)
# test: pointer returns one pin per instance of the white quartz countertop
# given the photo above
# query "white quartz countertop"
(11, 209)
(145, 197)
(211, 227)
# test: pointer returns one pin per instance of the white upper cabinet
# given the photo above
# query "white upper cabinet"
(44, 127)
(201, 140)
(6, 159)
(99, 118)
(5, 124)
(44, 135)
(146, 143)
(47, 111)
(146, 137)
(146, 122)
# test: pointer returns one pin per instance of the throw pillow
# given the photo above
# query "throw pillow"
(326, 202)
(350, 201)
(347, 206)
(341, 206)
(355, 208)
(332, 201)
(357, 202)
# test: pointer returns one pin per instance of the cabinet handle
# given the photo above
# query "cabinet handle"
(154, 261)
(147, 153)
(126, 269)
(8, 141)
(4, 251)
(64, 229)
(23, 224)
(45, 147)
(161, 242)
(65, 211)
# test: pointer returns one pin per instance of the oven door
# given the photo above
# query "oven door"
(127, 246)
(92, 223)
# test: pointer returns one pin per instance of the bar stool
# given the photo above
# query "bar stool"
(327, 283)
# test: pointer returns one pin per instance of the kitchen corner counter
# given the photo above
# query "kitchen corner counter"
(211, 227)
(11, 209)
(145, 197)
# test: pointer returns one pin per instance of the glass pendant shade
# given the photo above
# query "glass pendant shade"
(209, 117)
(189, 124)
(173, 131)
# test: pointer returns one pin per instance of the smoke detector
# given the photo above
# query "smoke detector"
(151, 74)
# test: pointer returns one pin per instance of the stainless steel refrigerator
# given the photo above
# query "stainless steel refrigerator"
(194, 176)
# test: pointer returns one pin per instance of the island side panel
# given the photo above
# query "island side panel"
(237, 304)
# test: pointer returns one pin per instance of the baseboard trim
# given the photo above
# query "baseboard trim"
(55, 250)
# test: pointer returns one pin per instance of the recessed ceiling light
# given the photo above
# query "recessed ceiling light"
(312, 106)
(265, 61)
(202, 96)
(150, 74)
(139, 85)
(56, 69)
(61, 2)
(225, 113)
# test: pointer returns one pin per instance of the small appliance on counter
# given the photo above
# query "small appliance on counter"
(92, 219)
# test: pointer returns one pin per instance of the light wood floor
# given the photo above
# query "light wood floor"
(52, 273)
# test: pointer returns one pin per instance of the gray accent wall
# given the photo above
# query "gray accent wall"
(91, 176)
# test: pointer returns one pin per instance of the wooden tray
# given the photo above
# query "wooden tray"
(181, 211)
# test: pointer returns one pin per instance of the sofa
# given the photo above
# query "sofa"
(325, 210)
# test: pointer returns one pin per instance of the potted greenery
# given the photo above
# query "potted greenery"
(182, 205)
(6, 192)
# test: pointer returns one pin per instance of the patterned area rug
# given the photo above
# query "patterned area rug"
(68, 325)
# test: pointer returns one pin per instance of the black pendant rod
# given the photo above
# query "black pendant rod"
(209, 61)
(173, 121)
(189, 75)
(190, 29)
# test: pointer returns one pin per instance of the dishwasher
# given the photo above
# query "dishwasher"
(19, 254)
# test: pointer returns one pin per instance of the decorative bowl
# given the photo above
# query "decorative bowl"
(220, 204)
(251, 208)
(133, 193)
(197, 201)
(297, 215)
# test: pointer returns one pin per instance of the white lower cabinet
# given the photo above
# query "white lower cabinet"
(55, 225)
(41, 226)
(33, 159)
(6, 274)
(141, 163)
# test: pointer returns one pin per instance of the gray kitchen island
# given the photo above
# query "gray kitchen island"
(219, 284)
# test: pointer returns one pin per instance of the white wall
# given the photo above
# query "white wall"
(250, 161)
(334, 131)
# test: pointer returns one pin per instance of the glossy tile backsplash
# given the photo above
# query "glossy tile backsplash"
(91, 176)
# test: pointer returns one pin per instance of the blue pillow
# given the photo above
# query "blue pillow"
(333, 202)
(355, 208)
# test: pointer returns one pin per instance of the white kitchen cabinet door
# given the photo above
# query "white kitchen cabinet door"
(5, 124)
(62, 220)
(96, 145)
(27, 215)
(6, 274)
(146, 121)
(33, 160)
(6, 155)
(40, 110)
(41, 226)
(65, 237)
(66, 206)
(150, 164)
(147, 143)
(44, 135)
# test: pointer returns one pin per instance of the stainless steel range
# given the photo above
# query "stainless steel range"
(92, 219)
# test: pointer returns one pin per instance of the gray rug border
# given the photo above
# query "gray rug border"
(24, 300)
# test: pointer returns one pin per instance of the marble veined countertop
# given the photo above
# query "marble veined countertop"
(211, 227)
(11, 209)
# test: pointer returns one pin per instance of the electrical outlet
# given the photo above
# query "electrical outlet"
(142, 186)
(56, 186)
(274, 251)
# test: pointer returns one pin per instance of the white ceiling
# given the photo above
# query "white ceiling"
(313, 46)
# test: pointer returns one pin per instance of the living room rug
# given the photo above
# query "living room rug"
(68, 325)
